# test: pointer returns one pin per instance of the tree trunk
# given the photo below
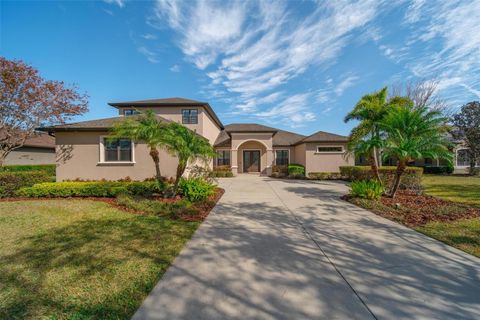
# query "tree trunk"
(472, 163)
(156, 159)
(374, 165)
(180, 170)
(3, 156)
(398, 175)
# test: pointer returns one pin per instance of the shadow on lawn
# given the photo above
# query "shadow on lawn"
(81, 271)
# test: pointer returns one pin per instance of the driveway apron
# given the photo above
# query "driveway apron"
(289, 249)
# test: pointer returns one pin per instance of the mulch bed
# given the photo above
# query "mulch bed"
(203, 208)
(415, 210)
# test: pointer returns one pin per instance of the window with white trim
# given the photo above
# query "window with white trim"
(329, 149)
(223, 158)
(117, 150)
(281, 157)
(189, 116)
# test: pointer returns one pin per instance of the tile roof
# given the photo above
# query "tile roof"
(90, 125)
(248, 127)
(286, 138)
(280, 137)
(40, 140)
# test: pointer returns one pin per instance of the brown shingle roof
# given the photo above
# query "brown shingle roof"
(175, 101)
(286, 138)
(322, 136)
(91, 125)
(248, 127)
(40, 140)
(223, 140)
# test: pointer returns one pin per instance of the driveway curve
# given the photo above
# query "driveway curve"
(289, 249)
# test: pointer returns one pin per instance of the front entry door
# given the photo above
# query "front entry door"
(251, 161)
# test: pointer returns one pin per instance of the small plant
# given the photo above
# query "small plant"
(296, 170)
(367, 189)
(196, 189)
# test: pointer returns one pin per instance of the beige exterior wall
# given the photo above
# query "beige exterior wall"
(300, 154)
(205, 126)
(325, 162)
(78, 156)
(30, 155)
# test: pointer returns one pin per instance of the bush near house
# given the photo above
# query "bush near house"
(222, 172)
(10, 182)
(325, 176)
(196, 189)
(283, 169)
(438, 170)
(411, 179)
(296, 171)
(92, 189)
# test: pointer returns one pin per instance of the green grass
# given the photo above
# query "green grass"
(77, 259)
(464, 189)
(462, 234)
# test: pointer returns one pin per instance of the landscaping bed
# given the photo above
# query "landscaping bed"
(415, 210)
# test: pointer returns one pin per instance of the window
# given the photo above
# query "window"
(223, 157)
(130, 112)
(463, 158)
(329, 149)
(281, 157)
(117, 150)
(189, 116)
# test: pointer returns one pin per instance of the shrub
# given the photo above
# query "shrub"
(367, 189)
(325, 175)
(10, 182)
(411, 179)
(280, 169)
(296, 169)
(278, 175)
(48, 168)
(229, 174)
(92, 189)
(222, 168)
(196, 189)
(438, 170)
(296, 176)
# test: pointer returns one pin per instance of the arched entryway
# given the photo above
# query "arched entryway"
(252, 157)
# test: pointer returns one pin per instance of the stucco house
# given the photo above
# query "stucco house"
(84, 153)
(37, 149)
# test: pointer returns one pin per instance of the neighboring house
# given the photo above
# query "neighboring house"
(38, 149)
(83, 152)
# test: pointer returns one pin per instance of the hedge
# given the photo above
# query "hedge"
(222, 174)
(196, 189)
(411, 178)
(48, 168)
(92, 189)
(438, 170)
(10, 182)
(296, 169)
(325, 175)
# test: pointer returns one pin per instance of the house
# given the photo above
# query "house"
(84, 152)
(38, 149)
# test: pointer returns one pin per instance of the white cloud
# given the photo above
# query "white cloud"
(120, 3)
(251, 49)
(346, 83)
(150, 55)
(175, 68)
(149, 36)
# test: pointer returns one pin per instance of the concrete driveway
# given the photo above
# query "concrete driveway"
(284, 249)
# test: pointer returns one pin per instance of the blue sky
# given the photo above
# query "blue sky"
(296, 65)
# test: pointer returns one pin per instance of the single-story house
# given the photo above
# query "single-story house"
(38, 149)
(84, 153)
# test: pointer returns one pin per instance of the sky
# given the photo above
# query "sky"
(295, 65)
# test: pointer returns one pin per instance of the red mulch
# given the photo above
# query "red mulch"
(203, 208)
(414, 210)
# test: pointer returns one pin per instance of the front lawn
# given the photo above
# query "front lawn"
(80, 259)
(465, 189)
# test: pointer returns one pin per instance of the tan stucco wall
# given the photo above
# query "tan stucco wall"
(205, 126)
(29, 155)
(78, 155)
(300, 155)
(325, 162)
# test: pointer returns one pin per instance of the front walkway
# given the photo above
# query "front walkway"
(284, 249)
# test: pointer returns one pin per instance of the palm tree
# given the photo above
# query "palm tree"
(146, 127)
(187, 146)
(366, 138)
(413, 133)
